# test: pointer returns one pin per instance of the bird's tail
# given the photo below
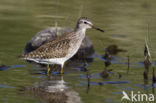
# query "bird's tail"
(22, 56)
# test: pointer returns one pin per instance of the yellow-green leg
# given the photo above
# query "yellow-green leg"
(61, 71)
(48, 71)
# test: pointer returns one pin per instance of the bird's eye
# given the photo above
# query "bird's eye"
(85, 22)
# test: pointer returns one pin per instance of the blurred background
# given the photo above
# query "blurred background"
(126, 24)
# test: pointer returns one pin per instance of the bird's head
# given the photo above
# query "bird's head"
(85, 23)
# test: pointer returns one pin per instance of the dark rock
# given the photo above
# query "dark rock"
(114, 49)
(4, 67)
(48, 34)
(100, 83)
(108, 58)
(120, 75)
(104, 74)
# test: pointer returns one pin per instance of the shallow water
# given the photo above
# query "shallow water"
(125, 24)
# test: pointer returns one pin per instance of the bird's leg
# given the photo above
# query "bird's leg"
(61, 70)
(48, 71)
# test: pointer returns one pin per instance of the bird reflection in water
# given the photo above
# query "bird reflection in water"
(53, 90)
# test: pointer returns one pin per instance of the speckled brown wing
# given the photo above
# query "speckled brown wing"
(56, 48)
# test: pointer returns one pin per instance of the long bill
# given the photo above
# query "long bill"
(97, 29)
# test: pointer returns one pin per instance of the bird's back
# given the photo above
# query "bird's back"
(56, 48)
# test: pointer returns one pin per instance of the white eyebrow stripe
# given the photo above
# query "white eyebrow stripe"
(87, 22)
(90, 23)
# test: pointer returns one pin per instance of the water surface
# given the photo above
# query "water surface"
(125, 24)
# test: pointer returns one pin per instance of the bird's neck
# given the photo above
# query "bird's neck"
(80, 33)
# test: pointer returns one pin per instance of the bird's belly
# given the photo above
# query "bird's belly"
(49, 61)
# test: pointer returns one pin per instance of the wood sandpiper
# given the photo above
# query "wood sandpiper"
(62, 48)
